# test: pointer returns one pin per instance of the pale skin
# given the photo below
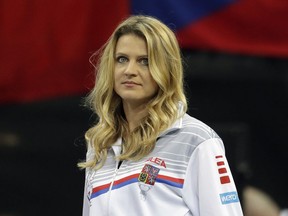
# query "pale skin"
(258, 203)
(132, 79)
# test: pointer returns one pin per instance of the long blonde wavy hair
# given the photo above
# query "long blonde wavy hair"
(165, 65)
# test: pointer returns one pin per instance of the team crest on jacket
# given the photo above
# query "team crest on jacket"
(148, 174)
(147, 178)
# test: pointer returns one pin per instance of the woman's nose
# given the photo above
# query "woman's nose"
(131, 68)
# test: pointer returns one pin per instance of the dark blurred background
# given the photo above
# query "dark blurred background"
(235, 57)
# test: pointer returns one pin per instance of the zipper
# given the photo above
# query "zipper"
(117, 151)
(112, 183)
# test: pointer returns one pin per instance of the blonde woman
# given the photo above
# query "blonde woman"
(145, 155)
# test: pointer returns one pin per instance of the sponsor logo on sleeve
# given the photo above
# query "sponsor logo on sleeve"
(229, 197)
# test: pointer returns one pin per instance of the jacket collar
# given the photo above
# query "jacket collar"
(178, 123)
(175, 126)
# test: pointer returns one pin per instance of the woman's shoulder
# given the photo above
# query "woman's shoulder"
(194, 126)
(188, 128)
(186, 134)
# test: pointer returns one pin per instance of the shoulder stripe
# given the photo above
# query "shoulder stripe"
(175, 182)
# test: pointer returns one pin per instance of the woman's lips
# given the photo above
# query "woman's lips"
(130, 83)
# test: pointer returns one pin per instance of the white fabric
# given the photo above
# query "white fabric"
(186, 174)
(284, 212)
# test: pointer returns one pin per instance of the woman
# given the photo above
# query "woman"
(146, 156)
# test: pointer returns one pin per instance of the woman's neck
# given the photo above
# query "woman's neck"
(134, 114)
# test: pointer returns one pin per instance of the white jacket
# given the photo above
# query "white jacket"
(186, 174)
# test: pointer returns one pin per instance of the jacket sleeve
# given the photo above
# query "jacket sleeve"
(86, 203)
(209, 188)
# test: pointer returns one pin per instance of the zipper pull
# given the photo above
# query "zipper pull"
(119, 164)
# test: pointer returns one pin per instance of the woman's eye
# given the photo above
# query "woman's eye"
(122, 59)
(144, 61)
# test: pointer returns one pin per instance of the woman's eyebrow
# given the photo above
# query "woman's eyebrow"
(120, 53)
(124, 54)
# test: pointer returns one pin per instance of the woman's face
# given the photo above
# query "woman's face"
(132, 79)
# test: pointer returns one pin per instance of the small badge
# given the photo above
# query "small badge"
(229, 197)
(147, 179)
